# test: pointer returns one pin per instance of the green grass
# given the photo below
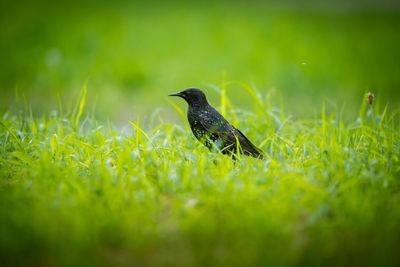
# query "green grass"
(74, 191)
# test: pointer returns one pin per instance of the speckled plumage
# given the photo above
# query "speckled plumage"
(212, 129)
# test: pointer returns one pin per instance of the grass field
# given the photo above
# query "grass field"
(109, 174)
(76, 192)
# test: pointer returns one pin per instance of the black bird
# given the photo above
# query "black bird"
(212, 129)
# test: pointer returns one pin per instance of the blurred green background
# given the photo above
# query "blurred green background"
(132, 54)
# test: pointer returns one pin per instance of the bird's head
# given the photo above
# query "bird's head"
(193, 96)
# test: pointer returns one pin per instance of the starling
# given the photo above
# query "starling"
(212, 129)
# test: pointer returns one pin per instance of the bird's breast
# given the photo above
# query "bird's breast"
(194, 119)
(197, 129)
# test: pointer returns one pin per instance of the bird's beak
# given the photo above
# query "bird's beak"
(176, 94)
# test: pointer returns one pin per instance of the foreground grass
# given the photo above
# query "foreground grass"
(74, 191)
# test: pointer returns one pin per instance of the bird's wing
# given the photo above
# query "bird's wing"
(248, 146)
(222, 129)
